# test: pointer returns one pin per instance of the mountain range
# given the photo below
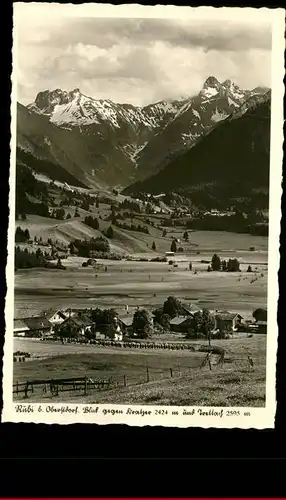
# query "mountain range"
(230, 161)
(87, 142)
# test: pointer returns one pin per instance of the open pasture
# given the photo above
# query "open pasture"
(232, 385)
(137, 283)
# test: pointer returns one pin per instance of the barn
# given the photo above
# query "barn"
(225, 320)
(38, 326)
(20, 328)
(181, 324)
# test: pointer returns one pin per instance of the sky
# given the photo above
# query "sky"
(137, 60)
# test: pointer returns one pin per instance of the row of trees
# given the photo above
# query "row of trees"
(84, 248)
(26, 260)
(232, 265)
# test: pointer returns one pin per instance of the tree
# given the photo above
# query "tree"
(224, 266)
(173, 246)
(203, 323)
(164, 233)
(21, 235)
(24, 216)
(260, 314)
(68, 216)
(186, 236)
(216, 263)
(190, 266)
(249, 269)
(142, 323)
(154, 246)
(233, 265)
(172, 307)
(97, 204)
(109, 232)
(209, 269)
(161, 318)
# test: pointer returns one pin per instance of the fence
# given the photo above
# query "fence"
(85, 385)
(54, 386)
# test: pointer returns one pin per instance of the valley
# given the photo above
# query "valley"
(121, 210)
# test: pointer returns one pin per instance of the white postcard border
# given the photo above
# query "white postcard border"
(244, 418)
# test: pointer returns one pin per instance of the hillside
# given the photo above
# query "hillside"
(231, 161)
(98, 143)
(199, 115)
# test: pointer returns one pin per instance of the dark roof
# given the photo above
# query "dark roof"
(126, 320)
(20, 325)
(227, 316)
(179, 320)
(79, 320)
(37, 323)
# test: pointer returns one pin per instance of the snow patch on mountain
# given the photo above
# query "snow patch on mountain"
(196, 113)
(189, 138)
(219, 116)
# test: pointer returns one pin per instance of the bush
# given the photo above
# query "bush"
(21, 235)
(85, 247)
(91, 222)
(109, 232)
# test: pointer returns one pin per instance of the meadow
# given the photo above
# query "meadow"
(234, 384)
(145, 284)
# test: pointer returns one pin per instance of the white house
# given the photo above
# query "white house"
(55, 316)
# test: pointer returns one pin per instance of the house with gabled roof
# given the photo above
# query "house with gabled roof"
(38, 326)
(20, 328)
(181, 324)
(80, 322)
(225, 320)
(55, 316)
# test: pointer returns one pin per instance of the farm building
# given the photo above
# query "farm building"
(38, 326)
(258, 327)
(125, 323)
(190, 309)
(79, 323)
(225, 320)
(20, 328)
(55, 317)
(116, 333)
(182, 324)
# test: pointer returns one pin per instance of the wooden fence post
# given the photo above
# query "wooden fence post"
(171, 372)
(17, 387)
(179, 370)
(85, 386)
(124, 380)
(26, 390)
(147, 374)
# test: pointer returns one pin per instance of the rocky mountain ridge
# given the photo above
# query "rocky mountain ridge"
(99, 142)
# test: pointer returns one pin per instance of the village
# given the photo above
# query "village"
(175, 317)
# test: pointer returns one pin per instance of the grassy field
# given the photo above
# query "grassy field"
(138, 283)
(232, 385)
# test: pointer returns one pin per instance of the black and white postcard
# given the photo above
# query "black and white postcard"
(144, 215)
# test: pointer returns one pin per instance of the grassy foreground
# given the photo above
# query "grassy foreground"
(232, 385)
